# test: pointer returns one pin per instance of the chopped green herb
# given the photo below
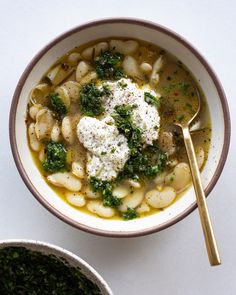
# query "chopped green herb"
(151, 99)
(172, 178)
(108, 65)
(103, 153)
(122, 84)
(55, 157)
(57, 105)
(142, 162)
(23, 271)
(90, 99)
(130, 214)
(106, 91)
(188, 105)
(123, 120)
(180, 118)
(145, 163)
(184, 87)
(105, 188)
(113, 150)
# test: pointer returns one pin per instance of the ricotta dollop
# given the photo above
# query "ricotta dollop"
(145, 116)
(108, 150)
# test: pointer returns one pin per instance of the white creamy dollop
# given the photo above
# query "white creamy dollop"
(145, 116)
(107, 149)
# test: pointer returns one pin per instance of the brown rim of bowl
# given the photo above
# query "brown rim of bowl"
(25, 177)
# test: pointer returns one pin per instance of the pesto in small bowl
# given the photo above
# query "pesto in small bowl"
(24, 271)
(33, 268)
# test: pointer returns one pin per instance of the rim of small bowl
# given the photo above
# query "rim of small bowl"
(56, 250)
(157, 27)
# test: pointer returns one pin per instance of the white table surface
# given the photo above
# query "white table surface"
(173, 261)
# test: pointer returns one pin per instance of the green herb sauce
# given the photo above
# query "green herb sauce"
(26, 272)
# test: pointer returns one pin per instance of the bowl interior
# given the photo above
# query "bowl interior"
(79, 36)
(60, 253)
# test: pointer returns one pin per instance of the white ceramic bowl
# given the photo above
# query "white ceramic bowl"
(131, 28)
(60, 253)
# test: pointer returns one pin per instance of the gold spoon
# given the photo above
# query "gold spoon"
(210, 240)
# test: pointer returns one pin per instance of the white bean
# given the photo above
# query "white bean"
(90, 194)
(124, 47)
(88, 78)
(56, 133)
(172, 162)
(77, 169)
(73, 57)
(158, 64)
(161, 199)
(44, 124)
(43, 87)
(97, 207)
(133, 183)
(53, 73)
(121, 191)
(81, 70)
(88, 53)
(180, 177)
(34, 142)
(100, 47)
(160, 178)
(57, 74)
(132, 200)
(145, 67)
(65, 179)
(131, 67)
(94, 51)
(167, 144)
(154, 79)
(33, 110)
(73, 89)
(67, 130)
(64, 95)
(39, 92)
(75, 199)
(42, 154)
(143, 207)
(200, 154)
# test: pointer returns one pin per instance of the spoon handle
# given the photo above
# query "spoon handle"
(213, 253)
